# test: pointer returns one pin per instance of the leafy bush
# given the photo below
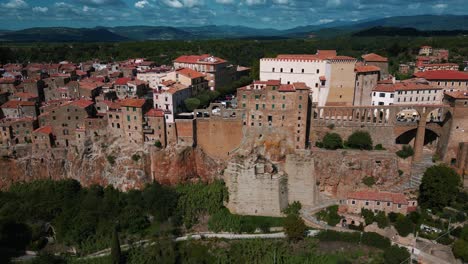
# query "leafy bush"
(158, 144)
(379, 147)
(405, 152)
(460, 249)
(293, 208)
(330, 215)
(319, 144)
(393, 216)
(375, 240)
(360, 140)
(136, 157)
(404, 226)
(369, 181)
(111, 160)
(381, 219)
(368, 216)
(395, 255)
(223, 220)
(332, 141)
(191, 104)
(330, 235)
(400, 172)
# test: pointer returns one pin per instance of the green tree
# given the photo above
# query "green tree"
(368, 216)
(293, 208)
(439, 187)
(360, 140)
(332, 141)
(116, 257)
(460, 249)
(294, 227)
(404, 226)
(158, 144)
(381, 219)
(405, 152)
(395, 255)
(191, 104)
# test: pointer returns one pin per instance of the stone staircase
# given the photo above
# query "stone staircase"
(418, 169)
(416, 174)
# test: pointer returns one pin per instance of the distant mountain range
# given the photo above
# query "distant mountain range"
(422, 23)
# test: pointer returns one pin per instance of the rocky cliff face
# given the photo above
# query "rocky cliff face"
(109, 161)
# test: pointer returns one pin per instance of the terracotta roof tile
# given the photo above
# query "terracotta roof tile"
(44, 130)
(458, 94)
(82, 103)
(192, 74)
(200, 59)
(273, 82)
(132, 102)
(374, 57)
(122, 81)
(16, 103)
(155, 113)
(443, 75)
(300, 86)
(24, 95)
(286, 88)
(366, 68)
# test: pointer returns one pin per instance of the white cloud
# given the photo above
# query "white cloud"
(281, 2)
(15, 4)
(225, 2)
(439, 6)
(173, 3)
(255, 2)
(62, 5)
(141, 4)
(325, 20)
(40, 9)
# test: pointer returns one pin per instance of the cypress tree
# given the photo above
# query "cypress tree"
(115, 249)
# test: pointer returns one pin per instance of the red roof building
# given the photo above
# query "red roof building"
(374, 58)
(443, 75)
(132, 102)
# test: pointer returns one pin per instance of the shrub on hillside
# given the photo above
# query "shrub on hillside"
(332, 141)
(369, 181)
(439, 187)
(360, 140)
(405, 152)
(404, 225)
(381, 219)
(395, 255)
(368, 216)
(375, 240)
(379, 147)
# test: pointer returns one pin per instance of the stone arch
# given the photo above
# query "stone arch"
(409, 135)
(408, 115)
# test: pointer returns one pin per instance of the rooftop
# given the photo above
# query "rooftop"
(44, 130)
(366, 68)
(16, 103)
(458, 94)
(155, 113)
(374, 57)
(192, 74)
(443, 75)
(132, 102)
(202, 59)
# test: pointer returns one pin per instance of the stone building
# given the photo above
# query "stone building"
(17, 130)
(218, 72)
(377, 60)
(342, 81)
(127, 88)
(437, 67)
(66, 119)
(133, 111)
(366, 80)
(379, 201)
(447, 80)
(19, 109)
(42, 139)
(188, 77)
(35, 87)
(171, 99)
(155, 127)
(7, 85)
(269, 105)
(425, 50)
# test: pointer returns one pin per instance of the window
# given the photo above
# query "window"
(292, 70)
(382, 95)
(392, 95)
(318, 71)
(256, 106)
(300, 106)
(257, 97)
(243, 105)
(378, 203)
(128, 118)
(367, 202)
(273, 97)
(243, 96)
(284, 97)
(263, 106)
(388, 204)
(283, 106)
(353, 202)
(281, 70)
(273, 70)
(300, 97)
(399, 205)
(302, 70)
(273, 106)
(316, 85)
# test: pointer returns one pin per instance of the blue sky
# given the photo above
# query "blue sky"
(279, 14)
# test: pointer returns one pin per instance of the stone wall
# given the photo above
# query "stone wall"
(218, 137)
(301, 179)
(255, 188)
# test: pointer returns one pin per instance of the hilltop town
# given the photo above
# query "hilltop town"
(288, 137)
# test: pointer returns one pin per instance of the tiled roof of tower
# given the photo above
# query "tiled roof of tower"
(443, 75)
(155, 113)
(323, 54)
(133, 102)
(192, 74)
(340, 58)
(286, 88)
(273, 82)
(374, 57)
(111, 105)
(201, 59)
(298, 57)
(366, 68)
(44, 130)
(397, 198)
